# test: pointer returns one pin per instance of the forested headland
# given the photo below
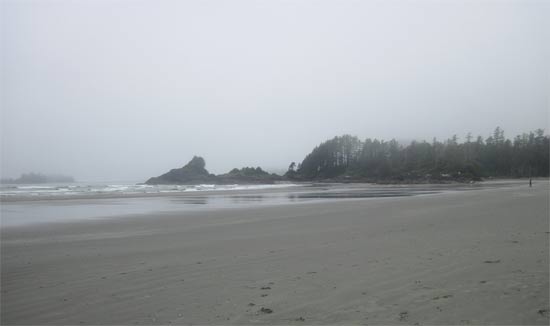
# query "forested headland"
(350, 158)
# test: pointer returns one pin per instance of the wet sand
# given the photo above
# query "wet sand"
(473, 257)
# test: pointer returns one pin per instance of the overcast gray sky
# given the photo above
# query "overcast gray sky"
(129, 89)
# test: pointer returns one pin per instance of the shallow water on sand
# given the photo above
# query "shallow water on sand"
(24, 212)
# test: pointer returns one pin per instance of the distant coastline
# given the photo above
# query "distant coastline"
(347, 159)
(38, 178)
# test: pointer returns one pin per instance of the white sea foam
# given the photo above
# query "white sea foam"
(91, 189)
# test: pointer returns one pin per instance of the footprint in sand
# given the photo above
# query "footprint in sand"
(492, 261)
(443, 297)
(266, 310)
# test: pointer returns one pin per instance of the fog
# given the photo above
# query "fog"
(125, 90)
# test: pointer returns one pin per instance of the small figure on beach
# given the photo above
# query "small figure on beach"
(530, 182)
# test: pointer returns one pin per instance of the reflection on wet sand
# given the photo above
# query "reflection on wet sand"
(243, 199)
(203, 200)
(344, 195)
(56, 210)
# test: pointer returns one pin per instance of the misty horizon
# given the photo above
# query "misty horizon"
(276, 170)
(255, 83)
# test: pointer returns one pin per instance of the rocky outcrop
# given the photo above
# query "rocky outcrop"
(249, 175)
(192, 173)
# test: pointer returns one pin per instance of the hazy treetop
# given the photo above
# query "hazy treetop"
(130, 89)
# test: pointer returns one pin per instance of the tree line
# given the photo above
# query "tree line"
(372, 159)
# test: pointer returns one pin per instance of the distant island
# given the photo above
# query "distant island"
(194, 172)
(348, 159)
(32, 178)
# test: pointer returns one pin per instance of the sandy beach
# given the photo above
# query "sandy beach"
(472, 257)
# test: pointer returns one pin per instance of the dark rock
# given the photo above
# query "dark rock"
(249, 175)
(194, 172)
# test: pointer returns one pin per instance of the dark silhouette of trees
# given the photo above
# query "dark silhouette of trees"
(349, 157)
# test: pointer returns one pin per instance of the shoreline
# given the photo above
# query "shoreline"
(62, 209)
(435, 259)
(298, 186)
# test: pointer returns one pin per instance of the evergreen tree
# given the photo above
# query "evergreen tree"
(497, 156)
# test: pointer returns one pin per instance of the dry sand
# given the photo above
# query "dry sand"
(476, 257)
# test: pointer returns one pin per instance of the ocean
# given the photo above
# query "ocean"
(46, 203)
(49, 190)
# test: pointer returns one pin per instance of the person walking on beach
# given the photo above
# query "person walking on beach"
(530, 182)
